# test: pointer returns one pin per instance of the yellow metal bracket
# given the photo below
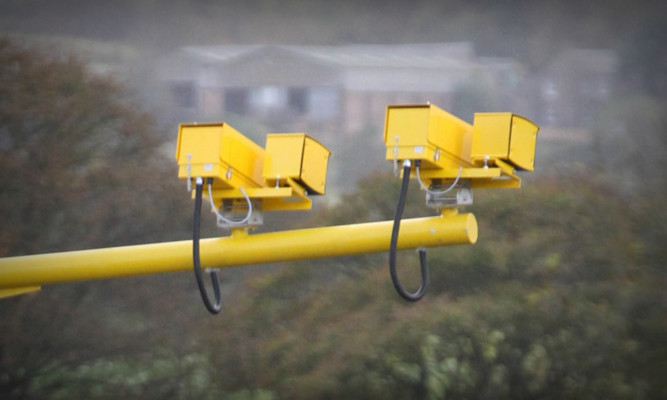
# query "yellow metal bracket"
(290, 196)
(502, 176)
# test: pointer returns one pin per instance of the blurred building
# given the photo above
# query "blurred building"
(346, 87)
(571, 89)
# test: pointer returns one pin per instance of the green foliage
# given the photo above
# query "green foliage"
(77, 160)
(462, 272)
(630, 138)
(546, 305)
(117, 377)
(80, 167)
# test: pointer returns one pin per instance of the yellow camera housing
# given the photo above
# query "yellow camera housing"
(296, 156)
(486, 153)
(504, 136)
(220, 152)
(281, 177)
(427, 133)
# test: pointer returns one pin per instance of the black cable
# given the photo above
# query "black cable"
(394, 242)
(212, 308)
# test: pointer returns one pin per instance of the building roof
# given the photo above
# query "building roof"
(425, 67)
(427, 55)
(431, 55)
(219, 53)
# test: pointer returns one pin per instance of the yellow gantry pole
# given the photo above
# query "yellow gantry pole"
(27, 273)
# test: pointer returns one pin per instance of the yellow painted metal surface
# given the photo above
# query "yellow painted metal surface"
(4, 293)
(428, 133)
(504, 136)
(238, 249)
(491, 136)
(315, 162)
(487, 153)
(296, 156)
(291, 196)
(500, 177)
(284, 157)
(292, 167)
(218, 151)
(523, 143)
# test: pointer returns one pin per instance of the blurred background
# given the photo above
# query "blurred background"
(563, 296)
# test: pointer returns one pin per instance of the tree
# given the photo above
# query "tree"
(79, 163)
(80, 167)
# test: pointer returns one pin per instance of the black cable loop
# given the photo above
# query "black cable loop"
(394, 242)
(212, 308)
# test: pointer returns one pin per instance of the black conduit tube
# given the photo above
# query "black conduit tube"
(212, 308)
(394, 242)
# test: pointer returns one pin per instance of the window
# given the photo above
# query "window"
(323, 102)
(236, 101)
(183, 94)
(264, 98)
(297, 99)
